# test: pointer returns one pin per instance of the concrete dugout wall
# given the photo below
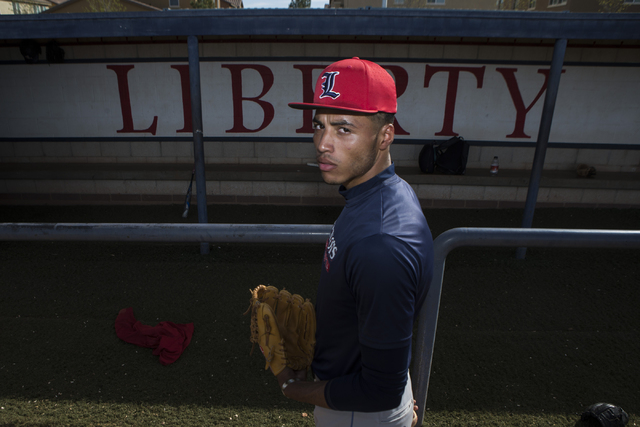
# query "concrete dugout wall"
(110, 124)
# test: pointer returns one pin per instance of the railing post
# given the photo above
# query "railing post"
(198, 142)
(425, 342)
(492, 237)
(543, 136)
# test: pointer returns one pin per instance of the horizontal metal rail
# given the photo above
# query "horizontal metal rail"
(377, 22)
(308, 233)
(123, 232)
(492, 237)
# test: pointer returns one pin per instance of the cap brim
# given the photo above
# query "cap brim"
(303, 106)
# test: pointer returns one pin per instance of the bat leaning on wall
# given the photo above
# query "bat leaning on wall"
(187, 200)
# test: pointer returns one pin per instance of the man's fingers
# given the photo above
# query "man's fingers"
(415, 414)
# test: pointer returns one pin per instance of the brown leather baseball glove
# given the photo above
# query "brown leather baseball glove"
(284, 326)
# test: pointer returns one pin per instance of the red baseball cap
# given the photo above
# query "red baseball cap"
(353, 85)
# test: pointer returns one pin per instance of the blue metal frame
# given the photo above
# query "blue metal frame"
(119, 232)
(543, 137)
(411, 23)
(493, 237)
(198, 134)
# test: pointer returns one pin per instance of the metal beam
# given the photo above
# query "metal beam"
(493, 237)
(124, 232)
(198, 143)
(380, 22)
(543, 137)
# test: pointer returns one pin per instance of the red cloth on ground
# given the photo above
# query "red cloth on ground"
(168, 339)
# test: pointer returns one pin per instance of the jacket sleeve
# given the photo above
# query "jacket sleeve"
(383, 276)
(377, 387)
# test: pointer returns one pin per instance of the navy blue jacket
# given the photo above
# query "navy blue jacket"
(376, 272)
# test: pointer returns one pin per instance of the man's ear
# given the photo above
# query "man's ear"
(387, 132)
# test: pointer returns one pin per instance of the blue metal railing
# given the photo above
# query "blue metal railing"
(486, 237)
(127, 232)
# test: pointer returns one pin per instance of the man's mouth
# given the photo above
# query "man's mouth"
(325, 166)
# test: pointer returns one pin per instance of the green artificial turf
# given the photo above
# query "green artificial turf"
(519, 343)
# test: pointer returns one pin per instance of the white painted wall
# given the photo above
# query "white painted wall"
(597, 102)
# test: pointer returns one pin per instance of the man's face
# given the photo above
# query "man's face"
(350, 147)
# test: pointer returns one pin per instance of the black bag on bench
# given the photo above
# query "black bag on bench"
(450, 157)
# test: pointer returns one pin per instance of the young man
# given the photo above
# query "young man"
(377, 263)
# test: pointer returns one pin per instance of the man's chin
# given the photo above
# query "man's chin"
(329, 179)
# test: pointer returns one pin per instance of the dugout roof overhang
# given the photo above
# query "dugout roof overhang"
(410, 23)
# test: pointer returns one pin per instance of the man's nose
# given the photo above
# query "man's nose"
(322, 140)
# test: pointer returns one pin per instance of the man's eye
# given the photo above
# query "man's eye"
(344, 130)
(317, 126)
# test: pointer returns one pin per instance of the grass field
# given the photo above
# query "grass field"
(519, 343)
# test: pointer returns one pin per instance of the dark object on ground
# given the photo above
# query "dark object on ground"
(607, 414)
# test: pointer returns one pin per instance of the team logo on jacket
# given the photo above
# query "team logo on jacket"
(330, 250)
(327, 87)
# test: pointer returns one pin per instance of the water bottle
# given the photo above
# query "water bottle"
(494, 166)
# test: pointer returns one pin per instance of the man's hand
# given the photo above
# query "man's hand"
(415, 414)
(288, 373)
(300, 389)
